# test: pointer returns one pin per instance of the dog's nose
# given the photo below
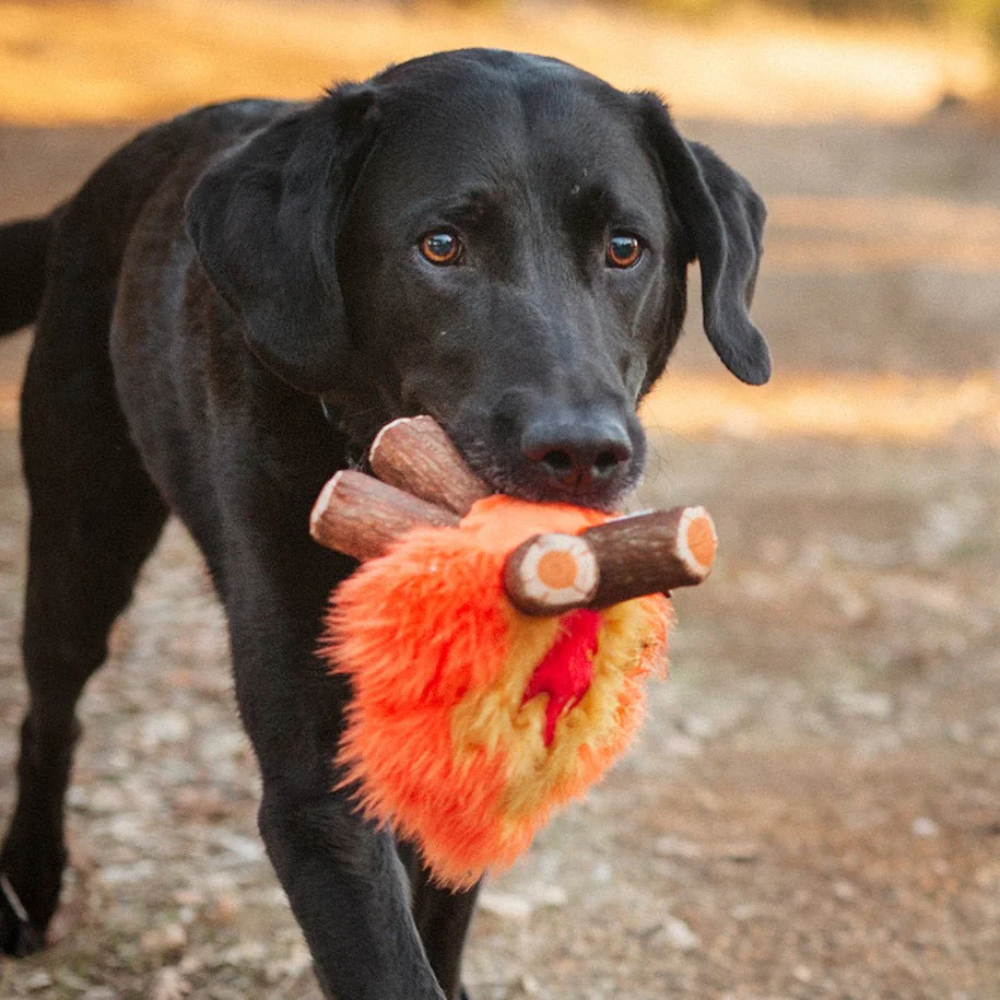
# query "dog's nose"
(577, 455)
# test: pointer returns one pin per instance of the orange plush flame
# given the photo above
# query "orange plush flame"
(451, 736)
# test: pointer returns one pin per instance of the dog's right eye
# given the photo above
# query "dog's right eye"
(441, 248)
(623, 250)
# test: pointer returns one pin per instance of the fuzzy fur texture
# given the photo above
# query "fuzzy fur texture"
(441, 742)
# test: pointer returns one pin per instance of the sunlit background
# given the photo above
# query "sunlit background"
(813, 809)
(73, 62)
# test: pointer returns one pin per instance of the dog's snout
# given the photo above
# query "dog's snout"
(576, 455)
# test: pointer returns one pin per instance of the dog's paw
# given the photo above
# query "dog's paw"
(18, 936)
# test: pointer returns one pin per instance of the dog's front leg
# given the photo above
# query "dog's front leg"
(343, 878)
(346, 888)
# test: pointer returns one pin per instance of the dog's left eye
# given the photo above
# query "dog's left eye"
(623, 250)
(441, 248)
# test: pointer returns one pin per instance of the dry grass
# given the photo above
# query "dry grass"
(90, 62)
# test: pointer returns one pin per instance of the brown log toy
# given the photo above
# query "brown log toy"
(612, 562)
(360, 516)
(425, 482)
(414, 454)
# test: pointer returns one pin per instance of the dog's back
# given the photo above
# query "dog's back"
(84, 240)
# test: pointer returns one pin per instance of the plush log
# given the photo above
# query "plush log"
(441, 665)
(360, 516)
(612, 562)
(548, 574)
(414, 454)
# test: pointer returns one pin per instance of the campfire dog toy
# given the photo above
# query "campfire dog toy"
(497, 648)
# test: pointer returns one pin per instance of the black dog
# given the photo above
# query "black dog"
(227, 311)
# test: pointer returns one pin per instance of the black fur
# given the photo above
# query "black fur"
(230, 277)
(23, 248)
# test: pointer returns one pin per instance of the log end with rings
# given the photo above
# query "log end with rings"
(624, 558)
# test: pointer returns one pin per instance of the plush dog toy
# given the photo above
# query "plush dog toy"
(497, 648)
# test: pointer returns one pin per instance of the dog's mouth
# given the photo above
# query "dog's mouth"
(514, 477)
(502, 468)
(603, 498)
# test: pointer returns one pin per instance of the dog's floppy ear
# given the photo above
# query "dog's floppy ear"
(264, 221)
(723, 218)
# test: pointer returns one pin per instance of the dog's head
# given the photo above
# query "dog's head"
(498, 240)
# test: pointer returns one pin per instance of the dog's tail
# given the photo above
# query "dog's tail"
(24, 247)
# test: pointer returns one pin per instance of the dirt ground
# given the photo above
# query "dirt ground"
(812, 811)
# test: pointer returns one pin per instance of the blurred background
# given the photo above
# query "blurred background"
(813, 808)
